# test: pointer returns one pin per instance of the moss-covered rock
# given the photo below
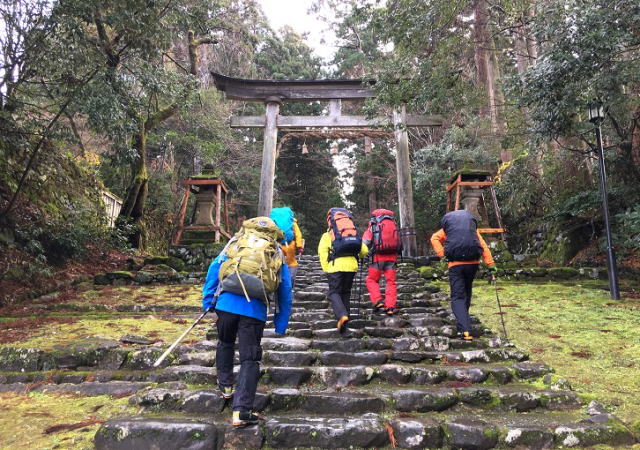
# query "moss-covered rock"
(426, 272)
(119, 275)
(101, 279)
(537, 272)
(170, 261)
(501, 253)
(562, 273)
(198, 237)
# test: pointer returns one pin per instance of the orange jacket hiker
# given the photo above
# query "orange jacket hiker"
(439, 237)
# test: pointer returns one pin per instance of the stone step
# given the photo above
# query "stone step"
(487, 429)
(532, 430)
(394, 374)
(398, 335)
(519, 398)
(157, 433)
(366, 431)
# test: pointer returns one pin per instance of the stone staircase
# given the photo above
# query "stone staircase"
(404, 381)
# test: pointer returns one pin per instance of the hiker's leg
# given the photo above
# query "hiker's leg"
(334, 295)
(373, 283)
(227, 325)
(293, 271)
(390, 293)
(347, 283)
(459, 297)
(469, 274)
(249, 333)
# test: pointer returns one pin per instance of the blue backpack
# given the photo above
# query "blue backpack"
(283, 217)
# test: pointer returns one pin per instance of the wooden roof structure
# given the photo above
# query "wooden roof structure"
(292, 90)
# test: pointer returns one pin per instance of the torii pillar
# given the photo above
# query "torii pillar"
(269, 155)
(405, 186)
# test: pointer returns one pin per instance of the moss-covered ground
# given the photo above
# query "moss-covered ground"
(47, 421)
(153, 295)
(66, 317)
(576, 328)
(156, 328)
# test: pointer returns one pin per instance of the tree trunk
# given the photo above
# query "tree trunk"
(133, 207)
(484, 63)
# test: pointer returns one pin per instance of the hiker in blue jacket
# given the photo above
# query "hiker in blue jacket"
(246, 319)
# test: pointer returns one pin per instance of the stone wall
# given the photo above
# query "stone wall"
(529, 273)
(195, 257)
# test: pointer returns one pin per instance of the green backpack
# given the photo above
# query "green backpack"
(254, 259)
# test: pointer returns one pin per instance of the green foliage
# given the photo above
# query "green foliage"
(374, 173)
(309, 185)
(627, 225)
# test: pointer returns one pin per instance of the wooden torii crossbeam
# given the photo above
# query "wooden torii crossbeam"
(273, 92)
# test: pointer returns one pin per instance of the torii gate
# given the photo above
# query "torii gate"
(273, 92)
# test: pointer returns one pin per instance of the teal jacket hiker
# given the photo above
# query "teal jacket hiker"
(238, 304)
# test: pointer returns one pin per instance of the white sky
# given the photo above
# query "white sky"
(295, 14)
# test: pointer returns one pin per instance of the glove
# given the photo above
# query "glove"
(493, 270)
(209, 304)
(300, 251)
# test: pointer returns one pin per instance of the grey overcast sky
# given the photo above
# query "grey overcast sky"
(294, 13)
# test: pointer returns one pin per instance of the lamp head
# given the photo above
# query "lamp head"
(596, 112)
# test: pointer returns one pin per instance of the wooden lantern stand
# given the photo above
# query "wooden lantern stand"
(456, 185)
(221, 210)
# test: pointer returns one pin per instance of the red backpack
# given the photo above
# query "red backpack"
(385, 234)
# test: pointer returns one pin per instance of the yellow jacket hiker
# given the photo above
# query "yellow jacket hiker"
(340, 274)
(341, 264)
(291, 249)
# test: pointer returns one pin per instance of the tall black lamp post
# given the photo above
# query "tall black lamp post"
(596, 116)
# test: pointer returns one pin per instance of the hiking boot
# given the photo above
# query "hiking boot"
(391, 311)
(342, 323)
(378, 306)
(226, 391)
(467, 336)
(244, 419)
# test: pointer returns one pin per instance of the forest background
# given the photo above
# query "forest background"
(119, 95)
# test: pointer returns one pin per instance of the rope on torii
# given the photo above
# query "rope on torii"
(335, 134)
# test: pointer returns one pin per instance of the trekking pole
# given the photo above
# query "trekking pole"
(170, 349)
(504, 328)
(358, 292)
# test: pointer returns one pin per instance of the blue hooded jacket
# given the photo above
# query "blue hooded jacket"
(238, 304)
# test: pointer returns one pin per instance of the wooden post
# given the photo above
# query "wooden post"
(405, 189)
(494, 201)
(371, 186)
(218, 211)
(267, 175)
(183, 212)
(226, 213)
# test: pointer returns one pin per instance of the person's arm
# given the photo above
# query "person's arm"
(487, 258)
(367, 237)
(297, 235)
(323, 251)
(437, 239)
(211, 284)
(364, 251)
(285, 294)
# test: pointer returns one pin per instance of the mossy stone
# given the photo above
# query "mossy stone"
(538, 272)
(119, 275)
(170, 261)
(563, 273)
(101, 279)
(426, 272)
(198, 237)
